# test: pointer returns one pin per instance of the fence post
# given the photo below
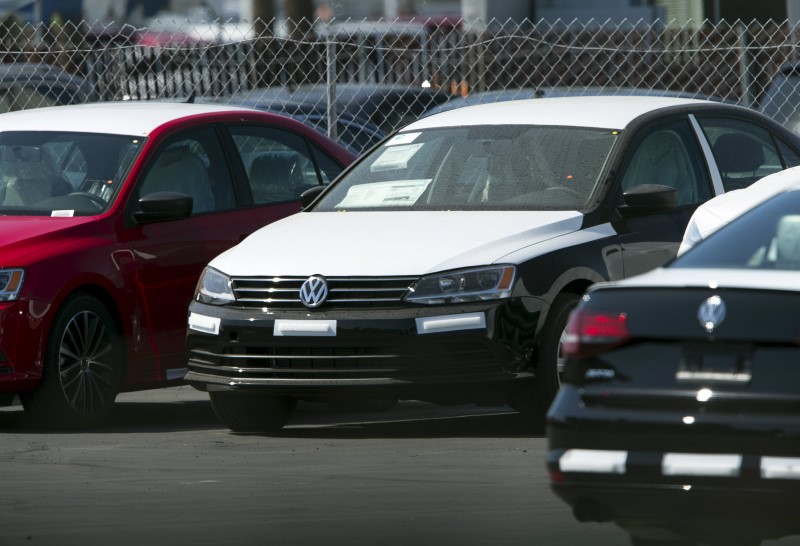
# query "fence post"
(333, 114)
(744, 66)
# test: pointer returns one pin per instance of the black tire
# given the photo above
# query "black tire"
(533, 398)
(83, 370)
(252, 413)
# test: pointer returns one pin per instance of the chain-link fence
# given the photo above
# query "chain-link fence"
(404, 67)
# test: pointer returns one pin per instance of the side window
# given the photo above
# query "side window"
(744, 152)
(790, 156)
(328, 168)
(278, 163)
(669, 155)
(192, 163)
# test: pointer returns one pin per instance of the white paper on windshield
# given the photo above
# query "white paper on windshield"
(404, 138)
(63, 213)
(395, 157)
(397, 193)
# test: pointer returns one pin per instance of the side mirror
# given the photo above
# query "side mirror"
(162, 206)
(648, 198)
(310, 195)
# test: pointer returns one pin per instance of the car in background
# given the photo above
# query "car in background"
(356, 134)
(719, 211)
(385, 106)
(442, 266)
(679, 413)
(33, 85)
(108, 214)
(781, 99)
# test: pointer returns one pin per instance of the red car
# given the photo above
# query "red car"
(108, 214)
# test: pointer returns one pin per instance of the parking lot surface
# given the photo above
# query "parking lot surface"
(163, 470)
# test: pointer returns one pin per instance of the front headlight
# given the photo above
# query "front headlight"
(478, 284)
(214, 288)
(10, 283)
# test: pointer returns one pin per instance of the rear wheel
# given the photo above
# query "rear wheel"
(83, 367)
(252, 413)
(533, 398)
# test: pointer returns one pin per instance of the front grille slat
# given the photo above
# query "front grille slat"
(343, 292)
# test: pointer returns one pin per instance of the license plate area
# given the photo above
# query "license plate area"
(703, 364)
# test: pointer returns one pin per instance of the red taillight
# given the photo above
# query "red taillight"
(591, 332)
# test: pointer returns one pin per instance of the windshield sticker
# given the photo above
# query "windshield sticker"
(404, 138)
(63, 213)
(395, 158)
(398, 193)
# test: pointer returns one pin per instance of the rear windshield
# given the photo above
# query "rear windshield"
(520, 167)
(767, 237)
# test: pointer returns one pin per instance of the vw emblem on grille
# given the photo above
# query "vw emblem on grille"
(314, 291)
(711, 313)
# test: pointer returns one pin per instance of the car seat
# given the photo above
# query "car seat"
(181, 170)
(28, 181)
(787, 242)
(738, 157)
(276, 176)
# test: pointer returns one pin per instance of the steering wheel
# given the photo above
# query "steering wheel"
(95, 199)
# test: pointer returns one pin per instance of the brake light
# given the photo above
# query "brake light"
(592, 332)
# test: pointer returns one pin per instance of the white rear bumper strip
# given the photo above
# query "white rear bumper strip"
(593, 460)
(780, 468)
(694, 464)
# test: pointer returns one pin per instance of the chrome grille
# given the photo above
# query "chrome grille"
(284, 292)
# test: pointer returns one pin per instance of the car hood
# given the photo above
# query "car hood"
(390, 243)
(24, 235)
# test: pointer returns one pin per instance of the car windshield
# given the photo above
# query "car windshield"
(767, 237)
(46, 173)
(504, 167)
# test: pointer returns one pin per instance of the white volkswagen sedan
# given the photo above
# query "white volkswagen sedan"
(443, 265)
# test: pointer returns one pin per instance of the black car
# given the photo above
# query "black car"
(442, 266)
(679, 412)
(384, 106)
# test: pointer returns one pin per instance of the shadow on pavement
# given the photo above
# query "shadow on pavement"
(159, 414)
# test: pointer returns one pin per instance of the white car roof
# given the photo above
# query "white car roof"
(605, 112)
(136, 118)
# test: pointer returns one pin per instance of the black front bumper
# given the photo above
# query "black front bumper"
(376, 351)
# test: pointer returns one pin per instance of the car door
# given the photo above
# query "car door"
(664, 153)
(278, 165)
(170, 255)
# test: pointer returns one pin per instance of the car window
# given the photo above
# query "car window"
(744, 152)
(329, 169)
(670, 156)
(193, 164)
(63, 174)
(766, 237)
(278, 163)
(790, 156)
(504, 167)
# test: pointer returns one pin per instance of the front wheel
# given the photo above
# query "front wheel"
(252, 413)
(83, 367)
(533, 398)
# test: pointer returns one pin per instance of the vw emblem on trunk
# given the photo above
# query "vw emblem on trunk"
(711, 313)
(314, 291)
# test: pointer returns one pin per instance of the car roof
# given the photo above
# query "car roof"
(608, 112)
(136, 118)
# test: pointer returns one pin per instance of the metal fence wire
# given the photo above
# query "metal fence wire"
(270, 62)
